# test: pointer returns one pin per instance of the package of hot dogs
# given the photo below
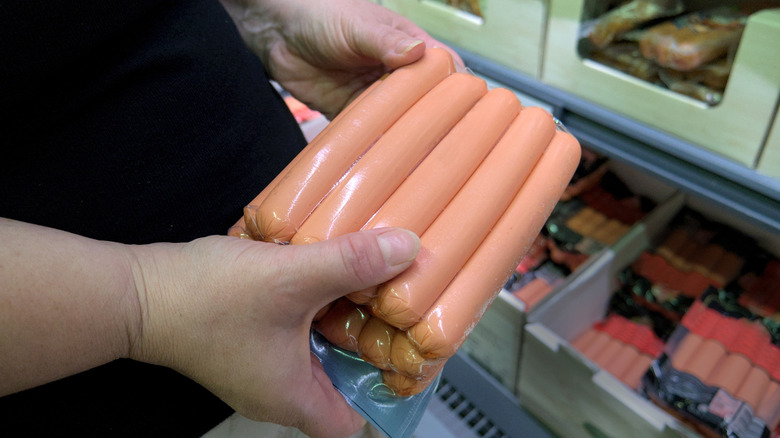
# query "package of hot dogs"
(469, 169)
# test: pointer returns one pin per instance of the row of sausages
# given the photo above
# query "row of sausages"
(470, 170)
(710, 259)
(620, 346)
(735, 355)
(761, 289)
(662, 273)
(589, 222)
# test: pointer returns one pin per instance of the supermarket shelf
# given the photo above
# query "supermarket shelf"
(485, 394)
(694, 170)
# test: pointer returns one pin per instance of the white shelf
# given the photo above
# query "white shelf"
(692, 169)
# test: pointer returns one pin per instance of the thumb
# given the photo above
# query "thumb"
(399, 46)
(353, 262)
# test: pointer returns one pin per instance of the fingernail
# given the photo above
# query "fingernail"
(407, 45)
(398, 246)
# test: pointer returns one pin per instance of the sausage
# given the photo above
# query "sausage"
(581, 342)
(752, 389)
(445, 325)
(374, 343)
(607, 354)
(403, 386)
(424, 194)
(672, 244)
(239, 230)
(685, 350)
(705, 260)
(769, 407)
(342, 324)
(533, 292)
(383, 168)
(622, 361)
(727, 268)
(594, 222)
(246, 226)
(707, 355)
(305, 184)
(730, 372)
(633, 375)
(445, 247)
(578, 221)
(599, 343)
(407, 360)
(248, 222)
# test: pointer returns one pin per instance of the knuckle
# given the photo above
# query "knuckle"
(358, 256)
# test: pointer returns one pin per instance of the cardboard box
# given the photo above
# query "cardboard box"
(510, 32)
(735, 128)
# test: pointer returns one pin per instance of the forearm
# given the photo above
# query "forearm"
(67, 304)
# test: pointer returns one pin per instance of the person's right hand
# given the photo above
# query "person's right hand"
(235, 315)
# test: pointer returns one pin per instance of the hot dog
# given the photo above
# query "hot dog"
(374, 343)
(384, 167)
(248, 222)
(424, 194)
(533, 292)
(623, 360)
(305, 184)
(342, 325)
(408, 361)
(250, 211)
(466, 298)
(477, 206)
(404, 386)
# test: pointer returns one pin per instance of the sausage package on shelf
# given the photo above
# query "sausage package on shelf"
(600, 356)
(704, 72)
(720, 372)
(469, 169)
(721, 367)
(586, 349)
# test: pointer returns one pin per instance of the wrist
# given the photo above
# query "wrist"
(259, 23)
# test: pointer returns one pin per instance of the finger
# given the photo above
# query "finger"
(338, 266)
(399, 46)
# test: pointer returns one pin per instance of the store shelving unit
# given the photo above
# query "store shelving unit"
(466, 389)
(695, 171)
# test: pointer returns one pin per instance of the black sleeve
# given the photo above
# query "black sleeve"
(133, 122)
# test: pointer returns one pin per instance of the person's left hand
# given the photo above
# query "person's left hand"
(326, 52)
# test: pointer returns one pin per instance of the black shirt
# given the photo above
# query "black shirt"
(133, 122)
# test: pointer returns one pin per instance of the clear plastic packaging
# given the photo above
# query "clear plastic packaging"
(363, 386)
(470, 170)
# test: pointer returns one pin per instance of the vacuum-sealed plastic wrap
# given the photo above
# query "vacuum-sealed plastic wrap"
(629, 16)
(470, 170)
(364, 389)
(694, 39)
(719, 371)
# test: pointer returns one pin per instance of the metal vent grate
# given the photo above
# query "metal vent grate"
(472, 418)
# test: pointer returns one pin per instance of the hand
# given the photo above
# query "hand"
(326, 52)
(235, 315)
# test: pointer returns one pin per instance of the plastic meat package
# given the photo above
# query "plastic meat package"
(719, 372)
(470, 170)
